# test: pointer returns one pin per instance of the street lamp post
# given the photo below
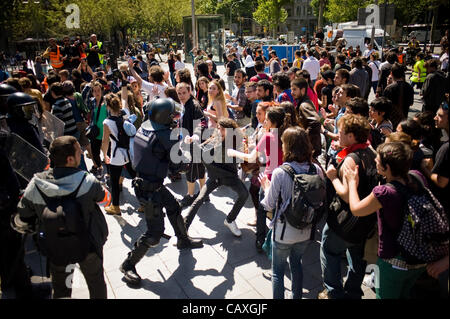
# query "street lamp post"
(194, 25)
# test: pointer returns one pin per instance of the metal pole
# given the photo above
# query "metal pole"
(194, 25)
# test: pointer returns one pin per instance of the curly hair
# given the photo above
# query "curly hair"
(356, 124)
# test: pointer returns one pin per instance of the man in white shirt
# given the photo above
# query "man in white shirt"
(312, 65)
(369, 50)
(154, 89)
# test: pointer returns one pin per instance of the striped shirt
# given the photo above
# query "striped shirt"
(62, 109)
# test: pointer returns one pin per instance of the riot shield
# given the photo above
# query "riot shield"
(51, 126)
(25, 159)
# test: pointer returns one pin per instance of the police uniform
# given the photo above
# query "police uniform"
(152, 148)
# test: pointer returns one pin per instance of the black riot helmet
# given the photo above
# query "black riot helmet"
(21, 106)
(162, 112)
(5, 91)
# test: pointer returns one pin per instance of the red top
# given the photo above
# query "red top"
(270, 145)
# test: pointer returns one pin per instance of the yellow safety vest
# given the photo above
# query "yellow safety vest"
(419, 72)
(100, 56)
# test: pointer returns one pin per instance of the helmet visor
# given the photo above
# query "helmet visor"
(29, 110)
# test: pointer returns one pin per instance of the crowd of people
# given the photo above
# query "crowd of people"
(300, 139)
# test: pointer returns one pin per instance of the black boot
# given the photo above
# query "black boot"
(184, 241)
(128, 266)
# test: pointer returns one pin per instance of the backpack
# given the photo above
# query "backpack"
(308, 198)
(123, 139)
(376, 138)
(352, 228)
(423, 237)
(63, 234)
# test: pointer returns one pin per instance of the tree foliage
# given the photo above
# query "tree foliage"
(270, 13)
(46, 18)
(406, 11)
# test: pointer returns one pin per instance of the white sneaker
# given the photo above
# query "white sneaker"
(233, 228)
(369, 280)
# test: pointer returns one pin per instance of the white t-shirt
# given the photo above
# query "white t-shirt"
(374, 65)
(148, 87)
(121, 157)
(312, 65)
(179, 65)
(249, 62)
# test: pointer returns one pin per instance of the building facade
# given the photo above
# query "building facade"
(301, 18)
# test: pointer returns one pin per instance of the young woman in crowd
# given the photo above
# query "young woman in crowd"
(217, 106)
(287, 240)
(99, 114)
(201, 89)
(396, 277)
(119, 157)
(379, 112)
(270, 146)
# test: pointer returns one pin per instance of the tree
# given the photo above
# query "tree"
(270, 13)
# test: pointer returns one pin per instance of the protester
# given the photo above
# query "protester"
(62, 179)
(288, 241)
(347, 234)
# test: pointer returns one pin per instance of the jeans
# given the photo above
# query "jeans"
(261, 215)
(331, 250)
(374, 86)
(211, 184)
(280, 253)
(230, 80)
(92, 269)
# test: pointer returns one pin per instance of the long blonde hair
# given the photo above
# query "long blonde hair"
(220, 97)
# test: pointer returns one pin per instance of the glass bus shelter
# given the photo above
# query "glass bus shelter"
(211, 36)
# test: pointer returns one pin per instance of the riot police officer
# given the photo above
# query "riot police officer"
(21, 108)
(152, 148)
(14, 276)
(5, 91)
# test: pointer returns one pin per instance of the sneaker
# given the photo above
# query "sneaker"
(323, 295)
(233, 228)
(187, 200)
(369, 280)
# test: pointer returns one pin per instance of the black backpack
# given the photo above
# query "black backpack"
(308, 199)
(63, 234)
(122, 140)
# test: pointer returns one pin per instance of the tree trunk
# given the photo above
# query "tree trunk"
(321, 9)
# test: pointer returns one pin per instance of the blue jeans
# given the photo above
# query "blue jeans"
(280, 253)
(261, 216)
(331, 250)
(374, 86)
